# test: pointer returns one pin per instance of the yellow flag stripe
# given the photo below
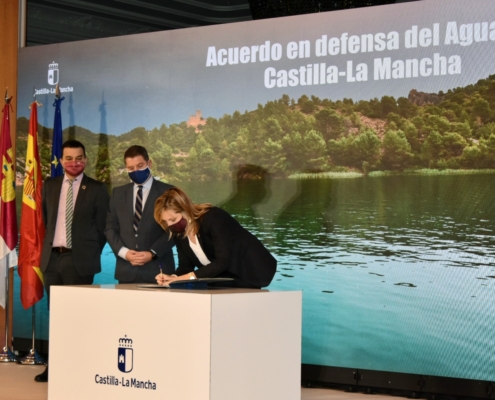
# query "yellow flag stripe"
(40, 274)
(8, 189)
(30, 176)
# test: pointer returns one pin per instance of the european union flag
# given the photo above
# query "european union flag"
(57, 141)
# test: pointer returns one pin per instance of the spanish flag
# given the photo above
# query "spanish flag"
(32, 226)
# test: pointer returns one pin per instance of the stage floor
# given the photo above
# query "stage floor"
(17, 383)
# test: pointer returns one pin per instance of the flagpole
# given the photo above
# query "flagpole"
(33, 358)
(7, 355)
(32, 232)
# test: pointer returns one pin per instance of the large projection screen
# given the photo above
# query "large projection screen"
(358, 145)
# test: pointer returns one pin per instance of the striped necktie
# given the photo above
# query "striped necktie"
(138, 209)
(69, 212)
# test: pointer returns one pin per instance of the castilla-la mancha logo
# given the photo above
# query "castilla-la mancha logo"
(53, 73)
(53, 79)
(126, 355)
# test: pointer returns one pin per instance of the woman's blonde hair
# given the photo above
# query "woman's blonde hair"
(177, 200)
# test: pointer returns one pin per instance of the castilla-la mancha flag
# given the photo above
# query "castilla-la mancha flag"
(8, 218)
(32, 226)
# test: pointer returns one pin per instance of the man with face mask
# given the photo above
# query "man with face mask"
(140, 245)
(74, 212)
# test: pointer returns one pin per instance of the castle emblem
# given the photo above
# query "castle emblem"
(125, 355)
(53, 73)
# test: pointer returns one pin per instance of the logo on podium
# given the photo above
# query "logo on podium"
(125, 355)
(53, 73)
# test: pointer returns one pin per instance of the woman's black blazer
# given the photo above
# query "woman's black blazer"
(233, 251)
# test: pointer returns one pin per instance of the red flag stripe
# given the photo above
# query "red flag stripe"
(8, 223)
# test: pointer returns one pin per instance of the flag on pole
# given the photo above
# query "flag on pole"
(32, 227)
(8, 218)
(56, 169)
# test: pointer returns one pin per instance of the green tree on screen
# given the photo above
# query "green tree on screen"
(396, 151)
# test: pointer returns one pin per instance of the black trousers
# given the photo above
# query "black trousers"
(61, 271)
(142, 277)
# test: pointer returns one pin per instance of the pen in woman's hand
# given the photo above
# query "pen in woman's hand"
(160, 264)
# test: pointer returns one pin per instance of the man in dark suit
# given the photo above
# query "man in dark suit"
(140, 245)
(74, 212)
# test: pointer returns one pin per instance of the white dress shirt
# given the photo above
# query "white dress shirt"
(60, 237)
(198, 250)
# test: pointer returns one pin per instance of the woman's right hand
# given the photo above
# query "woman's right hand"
(162, 279)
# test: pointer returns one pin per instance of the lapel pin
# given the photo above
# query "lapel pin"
(83, 187)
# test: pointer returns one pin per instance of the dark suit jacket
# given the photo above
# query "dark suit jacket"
(120, 233)
(88, 223)
(233, 251)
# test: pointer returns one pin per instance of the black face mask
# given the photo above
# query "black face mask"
(179, 226)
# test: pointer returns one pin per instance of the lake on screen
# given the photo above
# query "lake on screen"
(397, 272)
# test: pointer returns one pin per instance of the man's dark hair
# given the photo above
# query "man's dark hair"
(73, 144)
(135, 151)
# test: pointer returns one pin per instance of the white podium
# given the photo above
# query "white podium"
(121, 342)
